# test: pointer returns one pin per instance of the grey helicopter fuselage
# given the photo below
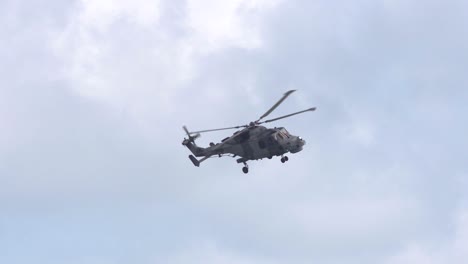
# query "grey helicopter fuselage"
(253, 143)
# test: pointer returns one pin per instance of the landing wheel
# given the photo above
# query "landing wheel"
(284, 159)
(245, 170)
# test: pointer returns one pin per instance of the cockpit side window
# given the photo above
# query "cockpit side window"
(284, 132)
(280, 136)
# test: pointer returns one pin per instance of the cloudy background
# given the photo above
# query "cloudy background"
(93, 95)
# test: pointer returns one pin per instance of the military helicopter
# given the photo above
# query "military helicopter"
(252, 142)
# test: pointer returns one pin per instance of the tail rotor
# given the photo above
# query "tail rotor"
(191, 138)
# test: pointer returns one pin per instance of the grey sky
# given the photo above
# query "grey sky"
(93, 95)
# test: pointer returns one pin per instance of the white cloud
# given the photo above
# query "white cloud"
(219, 24)
(208, 252)
(92, 57)
(123, 53)
(454, 250)
(359, 131)
(100, 14)
(368, 216)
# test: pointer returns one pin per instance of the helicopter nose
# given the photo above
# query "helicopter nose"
(299, 143)
(302, 142)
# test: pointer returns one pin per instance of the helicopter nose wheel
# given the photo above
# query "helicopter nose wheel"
(284, 159)
(245, 169)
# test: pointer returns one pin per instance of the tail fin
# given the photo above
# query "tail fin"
(190, 143)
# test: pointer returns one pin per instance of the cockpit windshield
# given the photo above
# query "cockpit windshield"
(283, 133)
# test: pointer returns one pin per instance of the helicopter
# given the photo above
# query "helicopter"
(252, 142)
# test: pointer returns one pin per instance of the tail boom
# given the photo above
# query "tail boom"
(196, 150)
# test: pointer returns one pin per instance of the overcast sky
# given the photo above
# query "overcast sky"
(93, 95)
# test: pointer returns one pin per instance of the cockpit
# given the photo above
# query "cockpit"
(282, 134)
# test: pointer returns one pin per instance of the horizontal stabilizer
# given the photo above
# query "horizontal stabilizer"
(194, 161)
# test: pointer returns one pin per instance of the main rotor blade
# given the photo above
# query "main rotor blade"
(186, 130)
(281, 117)
(276, 105)
(217, 129)
(189, 134)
